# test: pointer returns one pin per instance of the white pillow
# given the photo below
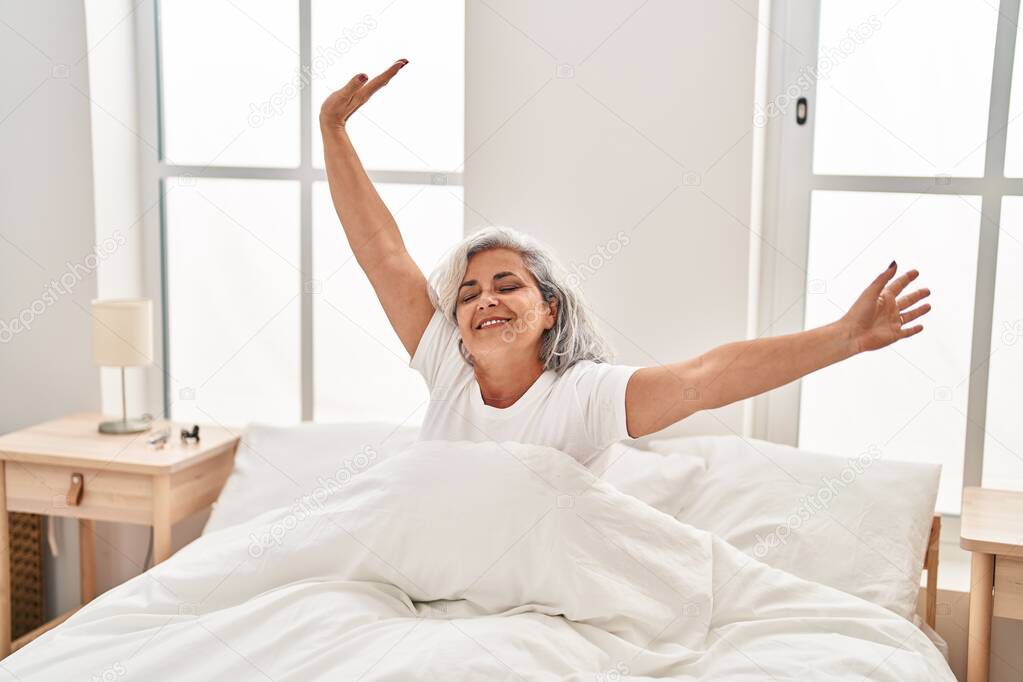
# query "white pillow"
(277, 466)
(859, 524)
(660, 480)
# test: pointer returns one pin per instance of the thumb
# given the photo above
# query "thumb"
(877, 286)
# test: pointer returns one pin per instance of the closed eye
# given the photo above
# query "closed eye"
(504, 289)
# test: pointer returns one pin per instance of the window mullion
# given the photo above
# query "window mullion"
(306, 236)
(991, 206)
(917, 185)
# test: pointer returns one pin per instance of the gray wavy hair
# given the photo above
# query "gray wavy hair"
(573, 337)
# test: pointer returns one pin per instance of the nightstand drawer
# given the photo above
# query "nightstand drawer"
(1008, 587)
(106, 495)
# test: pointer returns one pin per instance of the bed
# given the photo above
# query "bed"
(358, 552)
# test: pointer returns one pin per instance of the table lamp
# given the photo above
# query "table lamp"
(122, 336)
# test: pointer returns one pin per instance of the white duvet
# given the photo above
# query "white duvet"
(486, 561)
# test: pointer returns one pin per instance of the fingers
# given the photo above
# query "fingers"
(910, 299)
(902, 282)
(344, 101)
(338, 102)
(877, 286)
(911, 315)
(911, 331)
(387, 75)
(346, 91)
(366, 91)
(904, 302)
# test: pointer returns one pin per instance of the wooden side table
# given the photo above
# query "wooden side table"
(67, 468)
(992, 529)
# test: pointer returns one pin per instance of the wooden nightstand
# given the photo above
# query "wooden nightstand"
(67, 468)
(992, 529)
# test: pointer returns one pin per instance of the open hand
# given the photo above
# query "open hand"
(878, 316)
(342, 103)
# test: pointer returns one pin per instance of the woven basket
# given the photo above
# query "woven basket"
(26, 532)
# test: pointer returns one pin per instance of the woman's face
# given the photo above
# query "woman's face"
(499, 307)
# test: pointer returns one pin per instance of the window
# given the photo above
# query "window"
(910, 151)
(356, 354)
(267, 317)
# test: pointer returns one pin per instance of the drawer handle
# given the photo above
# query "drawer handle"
(74, 493)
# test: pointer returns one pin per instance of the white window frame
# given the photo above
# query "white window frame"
(156, 170)
(789, 181)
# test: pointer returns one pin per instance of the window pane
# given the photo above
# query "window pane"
(895, 95)
(1003, 443)
(230, 82)
(233, 300)
(416, 122)
(362, 370)
(909, 399)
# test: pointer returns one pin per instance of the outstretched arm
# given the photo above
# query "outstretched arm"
(657, 397)
(371, 229)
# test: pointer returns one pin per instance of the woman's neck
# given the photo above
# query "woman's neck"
(504, 384)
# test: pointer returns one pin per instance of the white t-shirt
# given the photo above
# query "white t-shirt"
(580, 412)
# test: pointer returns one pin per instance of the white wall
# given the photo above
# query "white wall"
(123, 219)
(589, 119)
(46, 232)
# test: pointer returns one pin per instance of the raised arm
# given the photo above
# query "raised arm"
(657, 397)
(371, 229)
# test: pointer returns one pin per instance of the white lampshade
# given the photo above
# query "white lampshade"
(122, 332)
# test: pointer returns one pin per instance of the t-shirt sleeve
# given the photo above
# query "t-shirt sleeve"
(600, 391)
(437, 347)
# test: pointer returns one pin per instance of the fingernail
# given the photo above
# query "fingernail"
(891, 265)
(362, 78)
(403, 61)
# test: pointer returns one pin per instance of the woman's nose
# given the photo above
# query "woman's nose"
(487, 301)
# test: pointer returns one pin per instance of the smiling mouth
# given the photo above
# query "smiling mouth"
(492, 322)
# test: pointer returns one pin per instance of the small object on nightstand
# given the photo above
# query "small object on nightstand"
(187, 435)
(992, 529)
(159, 439)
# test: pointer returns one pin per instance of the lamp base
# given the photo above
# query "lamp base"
(125, 426)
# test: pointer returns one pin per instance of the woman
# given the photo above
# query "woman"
(509, 351)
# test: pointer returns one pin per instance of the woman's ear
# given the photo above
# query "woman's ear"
(552, 314)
